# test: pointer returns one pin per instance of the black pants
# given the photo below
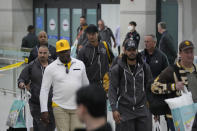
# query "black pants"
(38, 124)
(137, 124)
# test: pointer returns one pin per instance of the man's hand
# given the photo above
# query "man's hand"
(179, 85)
(116, 116)
(21, 85)
(114, 44)
(45, 117)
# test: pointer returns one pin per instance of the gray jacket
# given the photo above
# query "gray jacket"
(96, 61)
(33, 73)
(127, 92)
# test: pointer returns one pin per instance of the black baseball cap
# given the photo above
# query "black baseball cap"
(91, 29)
(130, 44)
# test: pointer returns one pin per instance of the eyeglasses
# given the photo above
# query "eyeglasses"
(67, 71)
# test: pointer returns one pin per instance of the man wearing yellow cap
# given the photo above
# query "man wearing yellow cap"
(66, 75)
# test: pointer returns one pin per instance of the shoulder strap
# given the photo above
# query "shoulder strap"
(108, 54)
(176, 70)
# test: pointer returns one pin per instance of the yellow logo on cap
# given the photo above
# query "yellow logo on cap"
(62, 44)
(187, 42)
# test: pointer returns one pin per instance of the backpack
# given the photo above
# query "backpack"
(157, 105)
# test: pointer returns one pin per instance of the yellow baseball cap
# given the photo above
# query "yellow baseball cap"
(62, 45)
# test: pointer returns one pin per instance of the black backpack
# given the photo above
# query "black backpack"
(157, 105)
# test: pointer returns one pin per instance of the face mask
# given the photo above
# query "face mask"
(130, 28)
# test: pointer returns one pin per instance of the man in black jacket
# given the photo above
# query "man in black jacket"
(31, 39)
(154, 57)
(95, 57)
(32, 74)
(91, 107)
(43, 40)
(105, 33)
(129, 79)
(166, 43)
(157, 61)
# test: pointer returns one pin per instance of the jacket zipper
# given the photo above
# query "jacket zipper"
(93, 56)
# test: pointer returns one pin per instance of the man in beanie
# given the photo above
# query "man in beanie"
(95, 57)
(130, 78)
(66, 75)
(173, 79)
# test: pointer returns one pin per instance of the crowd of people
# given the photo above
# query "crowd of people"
(68, 92)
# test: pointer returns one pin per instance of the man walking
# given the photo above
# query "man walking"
(105, 33)
(95, 57)
(173, 79)
(130, 78)
(166, 43)
(32, 74)
(43, 40)
(67, 75)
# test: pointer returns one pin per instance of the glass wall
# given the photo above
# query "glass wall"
(52, 26)
(76, 14)
(65, 24)
(92, 16)
(39, 19)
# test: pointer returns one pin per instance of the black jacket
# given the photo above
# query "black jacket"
(134, 36)
(34, 53)
(157, 61)
(96, 61)
(166, 45)
(127, 92)
(29, 41)
(33, 73)
(106, 34)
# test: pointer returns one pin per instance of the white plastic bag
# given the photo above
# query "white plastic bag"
(183, 100)
(156, 126)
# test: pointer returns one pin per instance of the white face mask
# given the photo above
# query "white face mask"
(130, 28)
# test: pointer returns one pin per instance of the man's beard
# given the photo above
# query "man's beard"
(131, 59)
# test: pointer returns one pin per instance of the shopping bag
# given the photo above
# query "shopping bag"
(183, 117)
(74, 49)
(183, 111)
(16, 117)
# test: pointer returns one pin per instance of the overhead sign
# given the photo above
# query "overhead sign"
(65, 25)
(52, 24)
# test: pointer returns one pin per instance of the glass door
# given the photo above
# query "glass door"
(76, 14)
(52, 26)
(39, 19)
(65, 24)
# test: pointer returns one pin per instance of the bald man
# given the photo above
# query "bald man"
(43, 40)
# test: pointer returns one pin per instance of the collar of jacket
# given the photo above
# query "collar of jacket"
(145, 52)
(60, 63)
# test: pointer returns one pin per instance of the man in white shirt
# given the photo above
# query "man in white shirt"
(66, 75)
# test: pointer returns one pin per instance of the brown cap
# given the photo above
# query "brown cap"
(186, 44)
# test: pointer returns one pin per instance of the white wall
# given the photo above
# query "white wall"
(15, 16)
(110, 13)
(142, 12)
(188, 21)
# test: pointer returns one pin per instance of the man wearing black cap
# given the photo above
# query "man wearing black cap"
(95, 57)
(175, 77)
(30, 40)
(130, 78)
